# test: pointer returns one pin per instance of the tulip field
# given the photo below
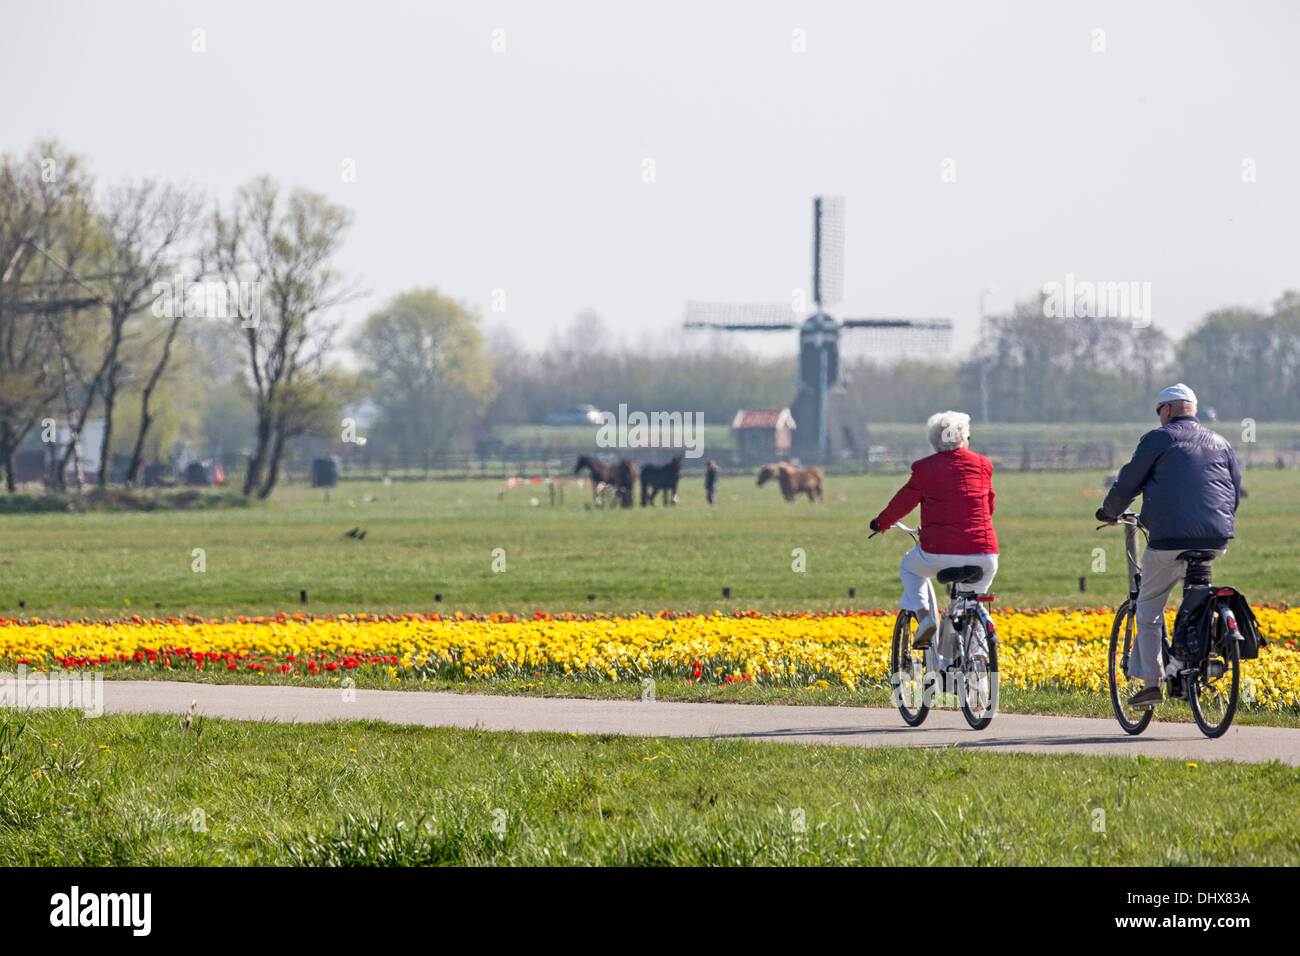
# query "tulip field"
(1058, 649)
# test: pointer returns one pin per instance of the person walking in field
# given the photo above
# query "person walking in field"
(711, 480)
(954, 488)
(1190, 485)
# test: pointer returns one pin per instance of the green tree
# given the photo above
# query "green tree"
(1245, 364)
(427, 369)
(1043, 369)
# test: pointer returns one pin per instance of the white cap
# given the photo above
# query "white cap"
(1176, 393)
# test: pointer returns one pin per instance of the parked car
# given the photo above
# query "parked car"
(576, 415)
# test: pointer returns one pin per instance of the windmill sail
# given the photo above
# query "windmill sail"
(931, 337)
(740, 316)
(828, 251)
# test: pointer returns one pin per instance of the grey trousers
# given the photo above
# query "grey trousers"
(1160, 572)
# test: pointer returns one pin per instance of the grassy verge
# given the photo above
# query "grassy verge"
(137, 790)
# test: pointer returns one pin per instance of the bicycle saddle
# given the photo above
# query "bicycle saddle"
(965, 574)
(1196, 556)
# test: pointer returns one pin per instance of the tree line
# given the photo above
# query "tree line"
(165, 315)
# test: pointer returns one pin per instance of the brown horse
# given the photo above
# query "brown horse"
(620, 477)
(793, 481)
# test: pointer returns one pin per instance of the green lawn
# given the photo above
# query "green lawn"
(136, 790)
(439, 537)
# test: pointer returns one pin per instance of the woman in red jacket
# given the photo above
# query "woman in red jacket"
(954, 488)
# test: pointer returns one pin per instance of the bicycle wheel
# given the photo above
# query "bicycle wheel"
(1122, 687)
(979, 675)
(907, 672)
(1214, 698)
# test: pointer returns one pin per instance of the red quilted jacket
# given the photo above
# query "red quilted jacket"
(955, 492)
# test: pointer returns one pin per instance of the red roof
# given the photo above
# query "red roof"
(762, 418)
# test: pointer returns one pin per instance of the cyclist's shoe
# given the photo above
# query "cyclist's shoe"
(925, 629)
(1147, 697)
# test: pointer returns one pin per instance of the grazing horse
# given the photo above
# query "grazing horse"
(620, 477)
(626, 482)
(657, 478)
(793, 481)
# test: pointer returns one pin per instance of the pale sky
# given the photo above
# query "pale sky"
(522, 169)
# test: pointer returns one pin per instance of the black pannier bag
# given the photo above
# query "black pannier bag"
(1191, 640)
(1252, 638)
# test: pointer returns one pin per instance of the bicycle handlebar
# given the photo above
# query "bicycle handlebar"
(900, 526)
(1128, 517)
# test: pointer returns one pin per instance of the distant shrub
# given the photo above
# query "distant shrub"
(119, 500)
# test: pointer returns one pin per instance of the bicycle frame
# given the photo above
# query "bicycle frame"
(929, 582)
(960, 604)
(1132, 526)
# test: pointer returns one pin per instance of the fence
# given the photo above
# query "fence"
(1027, 455)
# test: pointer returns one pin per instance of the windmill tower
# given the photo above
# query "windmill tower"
(814, 405)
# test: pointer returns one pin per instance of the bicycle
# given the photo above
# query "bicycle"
(972, 672)
(1211, 686)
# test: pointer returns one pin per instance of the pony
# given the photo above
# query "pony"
(657, 478)
(621, 478)
(602, 477)
(793, 481)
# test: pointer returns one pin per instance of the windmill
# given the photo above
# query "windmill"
(819, 333)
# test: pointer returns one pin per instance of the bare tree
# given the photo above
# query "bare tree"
(283, 248)
(146, 224)
(44, 215)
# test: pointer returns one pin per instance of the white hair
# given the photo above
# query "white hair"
(947, 430)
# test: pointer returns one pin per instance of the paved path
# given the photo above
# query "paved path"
(840, 726)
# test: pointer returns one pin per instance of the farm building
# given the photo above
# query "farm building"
(762, 434)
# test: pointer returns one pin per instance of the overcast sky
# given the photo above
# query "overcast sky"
(523, 168)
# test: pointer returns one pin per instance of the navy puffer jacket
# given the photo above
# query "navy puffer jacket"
(1190, 485)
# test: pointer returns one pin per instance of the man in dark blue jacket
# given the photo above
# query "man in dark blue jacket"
(1190, 485)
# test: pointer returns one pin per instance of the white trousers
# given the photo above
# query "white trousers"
(1160, 572)
(918, 565)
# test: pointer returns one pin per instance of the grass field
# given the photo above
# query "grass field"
(424, 539)
(133, 790)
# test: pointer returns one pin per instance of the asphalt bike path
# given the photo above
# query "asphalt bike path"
(836, 726)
